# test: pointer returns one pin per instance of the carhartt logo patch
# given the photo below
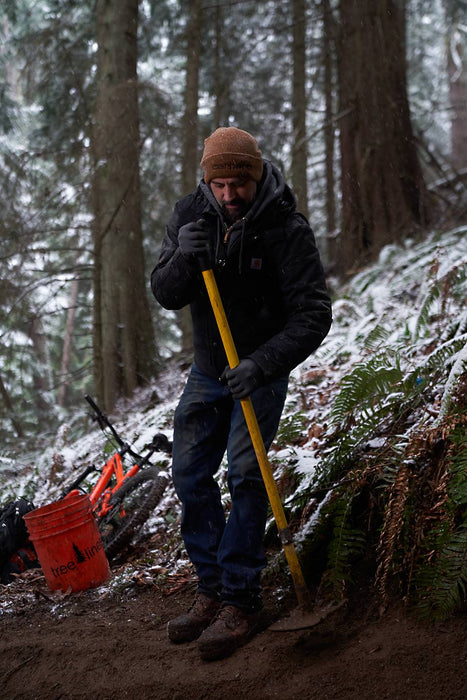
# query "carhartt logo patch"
(256, 263)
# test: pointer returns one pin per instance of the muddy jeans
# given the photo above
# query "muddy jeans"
(228, 555)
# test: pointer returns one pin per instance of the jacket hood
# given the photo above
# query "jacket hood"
(273, 195)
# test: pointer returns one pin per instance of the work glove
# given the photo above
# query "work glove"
(243, 379)
(194, 240)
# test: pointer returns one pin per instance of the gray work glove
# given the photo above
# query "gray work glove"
(243, 379)
(194, 239)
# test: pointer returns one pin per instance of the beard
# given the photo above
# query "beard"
(231, 216)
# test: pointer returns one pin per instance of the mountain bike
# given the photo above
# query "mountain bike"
(123, 497)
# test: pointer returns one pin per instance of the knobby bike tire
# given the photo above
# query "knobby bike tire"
(138, 496)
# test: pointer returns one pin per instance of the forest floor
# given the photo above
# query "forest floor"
(102, 644)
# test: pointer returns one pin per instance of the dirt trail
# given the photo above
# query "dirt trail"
(89, 646)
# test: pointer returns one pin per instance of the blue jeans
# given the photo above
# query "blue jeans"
(228, 555)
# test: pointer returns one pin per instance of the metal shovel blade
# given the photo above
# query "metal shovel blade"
(300, 619)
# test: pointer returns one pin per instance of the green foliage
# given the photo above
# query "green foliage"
(440, 584)
(371, 393)
(363, 391)
(420, 494)
(433, 293)
(443, 584)
(395, 454)
(347, 542)
(291, 429)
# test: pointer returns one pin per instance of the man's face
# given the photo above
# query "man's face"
(235, 195)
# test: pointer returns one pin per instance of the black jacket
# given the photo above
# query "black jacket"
(269, 275)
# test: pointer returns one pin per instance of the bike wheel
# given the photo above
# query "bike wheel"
(132, 505)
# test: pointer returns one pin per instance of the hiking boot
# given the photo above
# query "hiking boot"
(231, 628)
(187, 627)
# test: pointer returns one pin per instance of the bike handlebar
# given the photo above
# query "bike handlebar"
(159, 443)
(103, 420)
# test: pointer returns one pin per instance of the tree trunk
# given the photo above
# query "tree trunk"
(42, 381)
(124, 349)
(457, 68)
(190, 138)
(67, 342)
(9, 407)
(219, 82)
(299, 105)
(383, 192)
(190, 117)
(329, 117)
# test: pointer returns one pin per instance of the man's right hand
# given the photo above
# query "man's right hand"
(194, 239)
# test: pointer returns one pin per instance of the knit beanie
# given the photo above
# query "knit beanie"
(231, 152)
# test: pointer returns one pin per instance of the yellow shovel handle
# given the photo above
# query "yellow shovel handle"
(258, 444)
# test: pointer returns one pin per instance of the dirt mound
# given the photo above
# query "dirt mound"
(90, 645)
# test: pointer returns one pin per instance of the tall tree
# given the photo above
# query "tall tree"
(190, 116)
(10, 409)
(124, 349)
(299, 106)
(190, 134)
(457, 68)
(329, 122)
(220, 83)
(383, 191)
(68, 342)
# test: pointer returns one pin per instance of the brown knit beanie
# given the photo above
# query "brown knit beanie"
(231, 152)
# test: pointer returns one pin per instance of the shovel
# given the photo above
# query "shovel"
(301, 618)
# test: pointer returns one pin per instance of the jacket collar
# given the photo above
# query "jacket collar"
(272, 193)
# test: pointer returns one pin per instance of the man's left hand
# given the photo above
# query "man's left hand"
(243, 379)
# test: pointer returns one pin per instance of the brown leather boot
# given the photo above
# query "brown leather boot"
(187, 627)
(231, 628)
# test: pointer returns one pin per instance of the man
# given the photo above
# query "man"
(242, 219)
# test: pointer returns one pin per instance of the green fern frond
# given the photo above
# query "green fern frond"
(346, 543)
(441, 573)
(442, 354)
(433, 367)
(423, 317)
(444, 582)
(364, 387)
(291, 428)
(369, 395)
(451, 284)
(341, 455)
(457, 487)
(457, 327)
(376, 337)
(459, 366)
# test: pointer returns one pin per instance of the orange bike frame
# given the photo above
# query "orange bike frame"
(114, 465)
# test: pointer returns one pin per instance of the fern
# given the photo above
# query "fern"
(346, 543)
(291, 429)
(392, 527)
(443, 583)
(441, 579)
(457, 488)
(442, 354)
(376, 337)
(450, 284)
(364, 388)
(433, 293)
(360, 408)
(341, 456)
(458, 367)
(409, 391)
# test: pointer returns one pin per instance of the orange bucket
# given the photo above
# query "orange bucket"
(68, 544)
